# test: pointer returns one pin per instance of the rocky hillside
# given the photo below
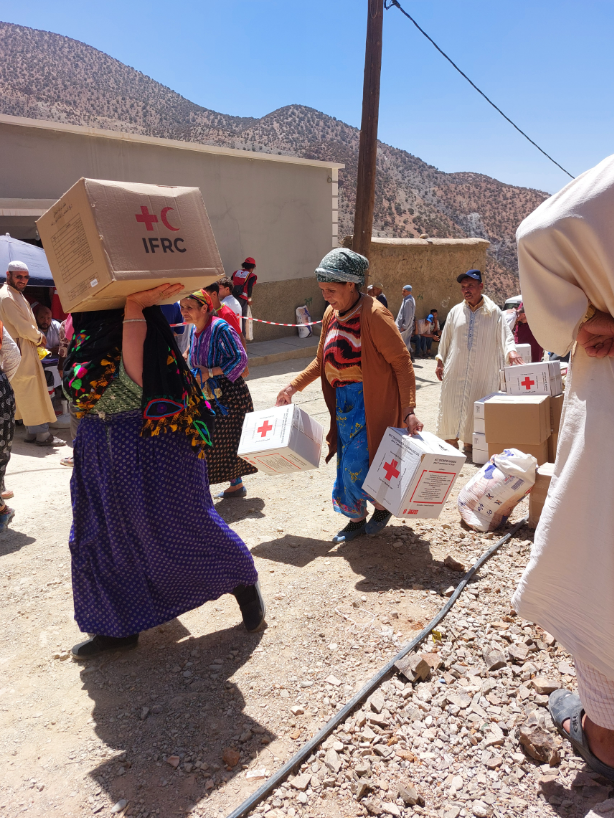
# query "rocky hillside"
(49, 76)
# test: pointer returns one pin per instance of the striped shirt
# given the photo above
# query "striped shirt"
(218, 345)
(342, 353)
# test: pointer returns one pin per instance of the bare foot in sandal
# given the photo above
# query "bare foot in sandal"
(595, 744)
(600, 740)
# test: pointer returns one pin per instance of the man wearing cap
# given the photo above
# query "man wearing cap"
(405, 318)
(29, 384)
(243, 281)
(377, 291)
(476, 343)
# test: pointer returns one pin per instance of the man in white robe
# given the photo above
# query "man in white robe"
(566, 261)
(29, 384)
(476, 343)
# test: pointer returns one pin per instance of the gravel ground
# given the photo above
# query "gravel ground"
(190, 722)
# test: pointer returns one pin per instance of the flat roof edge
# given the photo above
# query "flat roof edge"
(473, 240)
(83, 130)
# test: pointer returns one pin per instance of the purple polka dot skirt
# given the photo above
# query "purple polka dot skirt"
(146, 542)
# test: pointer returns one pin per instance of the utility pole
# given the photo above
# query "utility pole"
(367, 153)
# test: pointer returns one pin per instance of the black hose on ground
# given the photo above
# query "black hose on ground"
(307, 749)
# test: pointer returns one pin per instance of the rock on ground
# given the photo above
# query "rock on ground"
(75, 740)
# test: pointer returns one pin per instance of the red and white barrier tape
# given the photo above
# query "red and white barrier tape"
(261, 321)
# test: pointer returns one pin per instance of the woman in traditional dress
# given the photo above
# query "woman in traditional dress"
(146, 543)
(217, 353)
(524, 335)
(10, 358)
(368, 383)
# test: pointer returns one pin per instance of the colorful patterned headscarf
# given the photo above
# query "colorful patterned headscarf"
(203, 297)
(341, 265)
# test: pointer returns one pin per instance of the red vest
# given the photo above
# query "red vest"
(240, 279)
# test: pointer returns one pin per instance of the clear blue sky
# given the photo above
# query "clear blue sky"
(549, 65)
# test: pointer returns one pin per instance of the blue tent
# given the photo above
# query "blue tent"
(14, 250)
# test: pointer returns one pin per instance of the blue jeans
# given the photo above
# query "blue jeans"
(40, 432)
(420, 343)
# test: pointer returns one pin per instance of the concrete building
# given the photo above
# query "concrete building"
(281, 210)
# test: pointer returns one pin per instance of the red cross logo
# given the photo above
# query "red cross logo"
(266, 427)
(527, 383)
(146, 217)
(391, 470)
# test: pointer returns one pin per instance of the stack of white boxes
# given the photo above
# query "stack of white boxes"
(480, 446)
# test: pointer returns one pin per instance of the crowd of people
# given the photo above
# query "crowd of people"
(162, 386)
(163, 389)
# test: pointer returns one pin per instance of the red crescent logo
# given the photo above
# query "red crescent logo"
(165, 221)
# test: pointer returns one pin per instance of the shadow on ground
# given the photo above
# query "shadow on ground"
(233, 510)
(172, 697)
(381, 565)
(11, 541)
(587, 790)
(31, 449)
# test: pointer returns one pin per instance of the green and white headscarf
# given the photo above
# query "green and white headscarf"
(341, 265)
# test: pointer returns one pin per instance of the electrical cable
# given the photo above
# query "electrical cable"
(305, 751)
(389, 3)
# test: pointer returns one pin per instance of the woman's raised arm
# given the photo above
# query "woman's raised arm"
(135, 326)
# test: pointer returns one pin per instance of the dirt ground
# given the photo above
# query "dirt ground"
(77, 739)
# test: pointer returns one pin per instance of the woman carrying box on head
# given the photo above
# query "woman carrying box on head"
(217, 353)
(368, 383)
(146, 543)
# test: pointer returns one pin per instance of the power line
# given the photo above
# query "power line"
(390, 3)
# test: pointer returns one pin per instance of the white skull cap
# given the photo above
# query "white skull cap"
(18, 265)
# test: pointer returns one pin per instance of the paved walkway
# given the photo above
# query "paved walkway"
(281, 349)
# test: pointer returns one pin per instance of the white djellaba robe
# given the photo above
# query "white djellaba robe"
(29, 385)
(566, 260)
(474, 346)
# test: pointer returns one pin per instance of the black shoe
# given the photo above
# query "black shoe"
(100, 644)
(355, 528)
(252, 606)
(378, 521)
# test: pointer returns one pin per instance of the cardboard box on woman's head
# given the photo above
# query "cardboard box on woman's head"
(105, 240)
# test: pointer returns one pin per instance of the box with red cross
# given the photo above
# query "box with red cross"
(281, 440)
(413, 476)
(105, 240)
(534, 379)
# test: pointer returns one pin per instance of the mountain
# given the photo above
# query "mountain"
(49, 76)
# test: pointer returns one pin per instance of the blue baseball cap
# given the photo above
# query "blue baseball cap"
(476, 275)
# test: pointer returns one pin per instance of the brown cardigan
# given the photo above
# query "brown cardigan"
(389, 383)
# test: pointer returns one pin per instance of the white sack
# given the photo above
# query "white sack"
(491, 495)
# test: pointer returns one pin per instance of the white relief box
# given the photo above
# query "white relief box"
(412, 476)
(281, 440)
(534, 379)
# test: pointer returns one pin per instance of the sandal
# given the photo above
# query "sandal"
(51, 441)
(565, 705)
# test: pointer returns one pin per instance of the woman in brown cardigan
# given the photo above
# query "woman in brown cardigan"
(368, 383)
